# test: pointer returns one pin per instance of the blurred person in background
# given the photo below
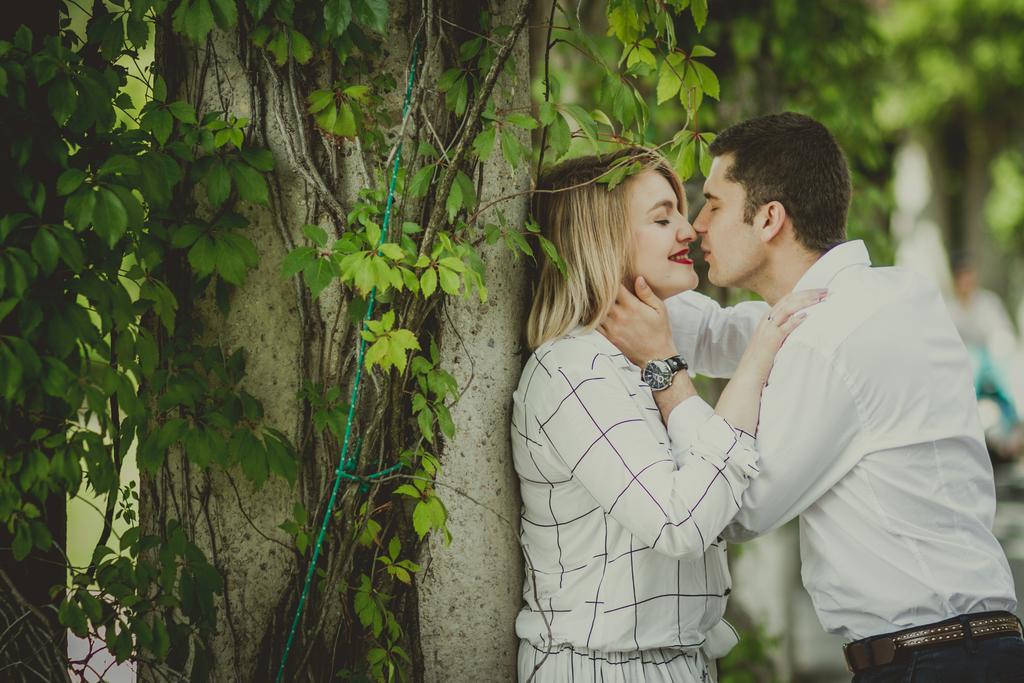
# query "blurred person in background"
(985, 327)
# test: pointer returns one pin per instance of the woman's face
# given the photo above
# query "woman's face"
(661, 235)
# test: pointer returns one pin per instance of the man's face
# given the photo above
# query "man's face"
(731, 246)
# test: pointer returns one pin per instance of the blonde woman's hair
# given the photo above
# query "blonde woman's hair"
(588, 223)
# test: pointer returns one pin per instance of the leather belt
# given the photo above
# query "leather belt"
(888, 648)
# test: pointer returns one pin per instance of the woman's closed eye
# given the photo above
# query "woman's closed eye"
(663, 221)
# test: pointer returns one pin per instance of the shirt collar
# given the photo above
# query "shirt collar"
(603, 345)
(839, 257)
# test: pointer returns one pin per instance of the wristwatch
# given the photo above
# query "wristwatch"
(657, 374)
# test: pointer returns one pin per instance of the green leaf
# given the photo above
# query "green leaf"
(705, 159)
(183, 111)
(278, 46)
(225, 13)
(559, 138)
(316, 234)
(585, 122)
(109, 217)
(194, 19)
(454, 201)
(372, 14)
(62, 98)
(253, 457)
(428, 282)
(185, 236)
(420, 182)
(69, 181)
(421, 519)
(319, 100)
(45, 250)
(161, 639)
(701, 51)
(379, 354)
(510, 148)
(522, 120)
(686, 160)
(119, 164)
(80, 208)
(258, 8)
(670, 77)
(258, 158)
(301, 49)
(218, 184)
(449, 280)
(444, 418)
(708, 79)
(483, 144)
(22, 544)
(296, 260)
(159, 89)
(392, 251)
(230, 258)
(159, 122)
(251, 185)
(203, 256)
(337, 16)
(6, 307)
(319, 274)
(699, 8)
(345, 124)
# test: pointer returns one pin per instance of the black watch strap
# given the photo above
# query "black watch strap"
(677, 363)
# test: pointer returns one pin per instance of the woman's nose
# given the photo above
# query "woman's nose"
(685, 231)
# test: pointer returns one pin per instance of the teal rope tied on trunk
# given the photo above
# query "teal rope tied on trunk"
(347, 465)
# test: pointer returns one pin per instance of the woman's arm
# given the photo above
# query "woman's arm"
(585, 416)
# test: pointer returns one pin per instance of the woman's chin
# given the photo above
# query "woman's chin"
(669, 290)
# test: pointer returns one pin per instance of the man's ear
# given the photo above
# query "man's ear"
(770, 220)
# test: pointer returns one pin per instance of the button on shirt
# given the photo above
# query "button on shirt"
(621, 516)
(869, 431)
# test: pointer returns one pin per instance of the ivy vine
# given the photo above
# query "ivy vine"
(107, 261)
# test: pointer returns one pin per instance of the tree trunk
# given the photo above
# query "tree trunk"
(291, 339)
(471, 591)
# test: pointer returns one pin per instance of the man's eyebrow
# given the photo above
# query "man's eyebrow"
(668, 204)
(708, 195)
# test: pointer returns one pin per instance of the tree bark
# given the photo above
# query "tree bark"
(471, 591)
(291, 339)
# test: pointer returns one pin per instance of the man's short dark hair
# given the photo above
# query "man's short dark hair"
(792, 159)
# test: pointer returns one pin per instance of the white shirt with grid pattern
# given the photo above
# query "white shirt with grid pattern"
(869, 432)
(621, 516)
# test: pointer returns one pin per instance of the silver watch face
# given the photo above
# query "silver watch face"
(657, 375)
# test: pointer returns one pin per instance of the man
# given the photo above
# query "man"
(869, 430)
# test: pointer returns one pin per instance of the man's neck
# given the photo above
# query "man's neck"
(781, 274)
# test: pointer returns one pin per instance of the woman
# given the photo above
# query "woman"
(625, 489)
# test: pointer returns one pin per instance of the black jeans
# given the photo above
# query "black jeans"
(999, 659)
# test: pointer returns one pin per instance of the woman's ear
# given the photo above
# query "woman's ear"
(770, 220)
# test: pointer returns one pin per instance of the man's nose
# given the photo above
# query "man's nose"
(698, 224)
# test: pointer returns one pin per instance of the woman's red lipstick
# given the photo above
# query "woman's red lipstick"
(681, 257)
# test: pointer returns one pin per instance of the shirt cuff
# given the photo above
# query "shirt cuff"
(738, 448)
(685, 420)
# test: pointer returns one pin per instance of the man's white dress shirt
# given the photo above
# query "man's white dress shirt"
(869, 432)
(621, 516)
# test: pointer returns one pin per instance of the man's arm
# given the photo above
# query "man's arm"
(710, 337)
(809, 420)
